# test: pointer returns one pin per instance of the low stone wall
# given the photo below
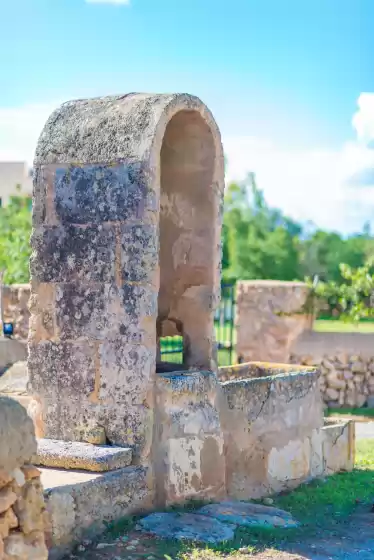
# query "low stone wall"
(15, 300)
(23, 518)
(346, 361)
(274, 432)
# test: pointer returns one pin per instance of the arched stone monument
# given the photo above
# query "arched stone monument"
(126, 248)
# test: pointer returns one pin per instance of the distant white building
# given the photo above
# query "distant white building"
(13, 174)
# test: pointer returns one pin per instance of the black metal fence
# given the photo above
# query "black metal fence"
(224, 322)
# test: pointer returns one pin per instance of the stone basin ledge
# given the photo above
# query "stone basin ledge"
(251, 370)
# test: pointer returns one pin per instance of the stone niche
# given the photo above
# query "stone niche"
(127, 209)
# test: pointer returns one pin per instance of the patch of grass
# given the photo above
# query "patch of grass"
(365, 455)
(118, 528)
(323, 325)
(320, 506)
(368, 412)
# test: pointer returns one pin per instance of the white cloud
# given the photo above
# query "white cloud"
(314, 185)
(20, 128)
(308, 185)
(113, 2)
(363, 120)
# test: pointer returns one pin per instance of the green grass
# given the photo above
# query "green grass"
(223, 334)
(368, 412)
(320, 506)
(328, 325)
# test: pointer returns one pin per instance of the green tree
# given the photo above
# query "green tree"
(258, 242)
(323, 252)
(353, 298)
(15, 230)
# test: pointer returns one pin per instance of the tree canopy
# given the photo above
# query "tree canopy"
(260, 242)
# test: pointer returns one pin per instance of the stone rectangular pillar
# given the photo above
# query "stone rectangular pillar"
(270, 316)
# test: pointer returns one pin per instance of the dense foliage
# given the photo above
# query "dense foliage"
(260, 242)
(15, 230)
(353, 299)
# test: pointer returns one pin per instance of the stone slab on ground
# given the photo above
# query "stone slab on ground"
(249, 514)
(187, 526)
(84, 456)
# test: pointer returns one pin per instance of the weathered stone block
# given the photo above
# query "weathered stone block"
(100, 193)
(289, 464)
(83, 310)
(139, 313)
(73, 253)
(83, 456)
(126, 371)
(42, 321)
(29, 507)
(338, 447)
(17, 439)
(21, 547)
(64, 367)
(270, 317)
(188, 450)
(139, 253)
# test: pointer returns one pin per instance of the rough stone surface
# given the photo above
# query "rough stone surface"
(102, 290)
(188, 455)
(31, 547)
(84, 456)
(267, 424)
(338, 447)
(346, 361)
(187, 526)
(270, 317)
(18, 444)
(14, 380)
(80, 510)
(251, 515)
(22, 507)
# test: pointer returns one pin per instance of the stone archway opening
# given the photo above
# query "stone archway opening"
(187, 235)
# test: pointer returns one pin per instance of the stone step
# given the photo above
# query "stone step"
(81, 504)
(71, 455)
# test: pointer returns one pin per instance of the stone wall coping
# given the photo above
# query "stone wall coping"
(272, 283)
(296, 377)
(185, 382)
(273, 369)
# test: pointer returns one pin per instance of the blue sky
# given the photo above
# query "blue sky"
(283, 79)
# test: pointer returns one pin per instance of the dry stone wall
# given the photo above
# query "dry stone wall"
(346, 362)
(23, 519)
(15, 301)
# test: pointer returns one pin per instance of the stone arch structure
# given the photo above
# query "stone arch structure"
(116, 179)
